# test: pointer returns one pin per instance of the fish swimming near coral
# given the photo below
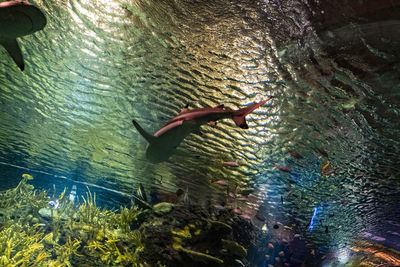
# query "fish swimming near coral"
(163, 143)
(18, 19)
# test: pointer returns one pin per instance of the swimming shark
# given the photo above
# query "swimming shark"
(163, 143)
(18, 19)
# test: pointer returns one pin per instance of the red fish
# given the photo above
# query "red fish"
(230, 163)
(296, 155)
(221, 182)
(328, 172)
(283, 168)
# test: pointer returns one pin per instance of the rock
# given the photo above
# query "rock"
(162, 208)
(45, 213)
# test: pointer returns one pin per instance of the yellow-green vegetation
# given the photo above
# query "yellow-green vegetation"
(179, 236)
(72, 236)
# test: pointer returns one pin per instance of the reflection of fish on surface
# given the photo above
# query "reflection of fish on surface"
(18, 19)
(163, 143)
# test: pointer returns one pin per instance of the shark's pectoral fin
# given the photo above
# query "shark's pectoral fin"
(14, 51)
(150, 138)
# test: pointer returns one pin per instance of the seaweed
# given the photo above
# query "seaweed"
(67, 235)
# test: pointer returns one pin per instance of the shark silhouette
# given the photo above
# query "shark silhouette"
(163, 143)
(18, 19)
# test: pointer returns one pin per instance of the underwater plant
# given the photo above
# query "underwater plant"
(67, 235)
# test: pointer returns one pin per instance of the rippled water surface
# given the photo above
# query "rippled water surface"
(332, 72)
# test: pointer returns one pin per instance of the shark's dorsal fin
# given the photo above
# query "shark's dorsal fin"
(14, 51)
(150, 138)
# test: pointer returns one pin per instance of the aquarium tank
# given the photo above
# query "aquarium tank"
(232, 133)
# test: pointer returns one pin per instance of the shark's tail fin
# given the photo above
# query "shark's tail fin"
(239, 116)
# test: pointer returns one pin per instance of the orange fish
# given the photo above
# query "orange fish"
(325, 166)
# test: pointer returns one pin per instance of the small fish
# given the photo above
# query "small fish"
(328, 172)
(230, 163)
(288, 194)
(231, 194)
(54, 204)
(326, 229)
(296, 155)
(281, 253)
(283, 168)
(344, 202)
(264, 228)
(236, 211)
(282, 199)
(219, 207)
(221, 182)
(245, 216)
(325, 166)
(270, 245)
(322, 152)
